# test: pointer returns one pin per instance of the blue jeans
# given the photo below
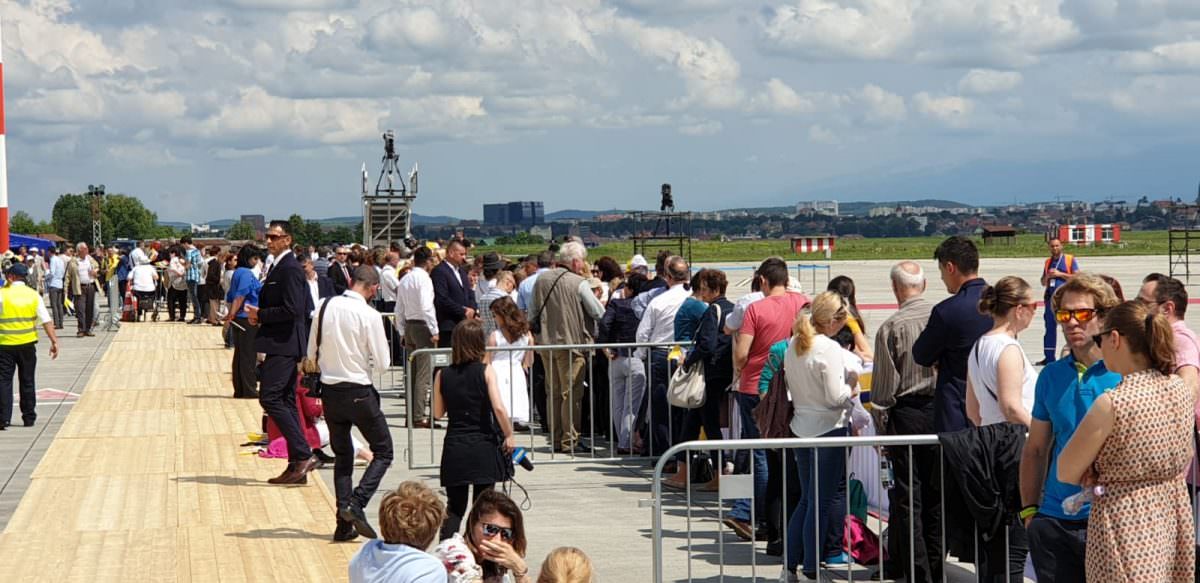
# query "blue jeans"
(817, 519)
(193, 290)
(741, 507)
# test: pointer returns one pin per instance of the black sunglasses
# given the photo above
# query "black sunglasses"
(1099, 338)
(493, 530)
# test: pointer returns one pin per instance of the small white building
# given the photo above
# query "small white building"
(827, 208)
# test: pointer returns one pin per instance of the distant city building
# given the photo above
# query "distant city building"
(204, 229)
(828, 208)
(259, 222)
(523, 213)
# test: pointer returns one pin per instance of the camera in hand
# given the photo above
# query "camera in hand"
(520, 456)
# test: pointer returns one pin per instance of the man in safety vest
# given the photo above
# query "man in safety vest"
(21, 310)
(1057, 270)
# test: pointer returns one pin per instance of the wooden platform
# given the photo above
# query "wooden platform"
(146, 481)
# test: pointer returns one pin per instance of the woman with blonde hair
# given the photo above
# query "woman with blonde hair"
(1136, 442)
(566, 565)
(822, 396)
(409, 519)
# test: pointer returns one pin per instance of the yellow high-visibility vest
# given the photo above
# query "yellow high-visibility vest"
(18, 321)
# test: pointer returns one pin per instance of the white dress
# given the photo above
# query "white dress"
(510, 376)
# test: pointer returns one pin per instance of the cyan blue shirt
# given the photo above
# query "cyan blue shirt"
(244, 284)
(1061, 398)
(687, 319)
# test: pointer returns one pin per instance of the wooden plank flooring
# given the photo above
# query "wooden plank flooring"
(147, 481)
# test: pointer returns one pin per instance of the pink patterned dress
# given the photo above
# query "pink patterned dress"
(1141, 529)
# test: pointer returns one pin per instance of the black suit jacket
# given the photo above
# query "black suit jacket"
(283, 307)
(324, 287)
(340, 282)
(452, 295)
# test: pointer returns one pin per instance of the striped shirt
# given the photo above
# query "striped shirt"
(195, 263)
(895, 374)
(485, 308)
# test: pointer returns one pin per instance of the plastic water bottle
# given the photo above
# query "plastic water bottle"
(1074, 503)
(887, 477)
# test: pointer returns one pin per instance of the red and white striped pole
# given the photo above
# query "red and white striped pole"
(3, 156)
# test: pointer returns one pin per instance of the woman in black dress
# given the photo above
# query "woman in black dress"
(479, 439)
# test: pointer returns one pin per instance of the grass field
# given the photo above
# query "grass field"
(1134, 243)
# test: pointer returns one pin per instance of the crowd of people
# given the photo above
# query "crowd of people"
(1111, 417)
(955, 369)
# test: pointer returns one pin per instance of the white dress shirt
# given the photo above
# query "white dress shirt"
(658, 323)
(314, 290)
(414, 300)
(388, 282)
(352, 341)
(138, 256)
(43, 315)
(143, 277)
(87, 270)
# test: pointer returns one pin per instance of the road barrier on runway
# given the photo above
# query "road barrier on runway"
(733, 487)
(630, 386)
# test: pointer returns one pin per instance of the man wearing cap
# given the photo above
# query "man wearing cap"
(54, 286)
(21, 310)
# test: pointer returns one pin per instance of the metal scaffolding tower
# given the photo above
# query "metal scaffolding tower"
(96, 193)
(387, 214)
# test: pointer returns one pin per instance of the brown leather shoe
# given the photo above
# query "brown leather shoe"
(296, 473)
(421, 424)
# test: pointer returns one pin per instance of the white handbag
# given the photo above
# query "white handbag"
(686, 389)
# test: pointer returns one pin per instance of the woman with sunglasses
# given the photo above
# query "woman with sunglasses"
(496, 535)
(1000, 389)
(1136, 442)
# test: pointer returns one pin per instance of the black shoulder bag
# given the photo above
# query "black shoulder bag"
(535, 323)
(311, 367)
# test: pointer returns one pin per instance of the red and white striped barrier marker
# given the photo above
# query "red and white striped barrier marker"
(813, 245)
(3, 156)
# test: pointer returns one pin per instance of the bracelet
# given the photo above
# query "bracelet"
(1028, 511)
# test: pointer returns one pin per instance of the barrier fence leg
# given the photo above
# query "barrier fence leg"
(912, 541)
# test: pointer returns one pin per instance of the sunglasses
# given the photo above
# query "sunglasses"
(1083, 315)
(272, 237)
(493, 530)
(1099, 338)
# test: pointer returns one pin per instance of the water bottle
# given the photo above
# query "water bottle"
(887, 477)
(1074, 503)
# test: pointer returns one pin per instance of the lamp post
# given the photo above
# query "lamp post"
(96, 194)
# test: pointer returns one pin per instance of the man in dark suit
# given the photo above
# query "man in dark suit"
(284, 303)
(453, 298)
(339, 271)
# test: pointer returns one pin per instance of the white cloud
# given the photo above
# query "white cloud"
(949, 110)
(778, 97)
(1174, 57)
(703, 128)
(985, 81)
(709, 70)
(881, 106)
(1015, 31)
(821, 135)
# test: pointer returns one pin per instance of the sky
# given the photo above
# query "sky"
(207, 110)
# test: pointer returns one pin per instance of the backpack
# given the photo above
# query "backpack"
(861, 543)
(773, 415)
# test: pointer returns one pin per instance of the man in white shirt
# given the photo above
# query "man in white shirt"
(388, 284)
(416, 321)
(138, 255)
(658, 326)
(352, 346)
(54, 286)
(83, 272)
(145, 283)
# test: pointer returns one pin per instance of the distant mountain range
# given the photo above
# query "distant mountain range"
(846, 208)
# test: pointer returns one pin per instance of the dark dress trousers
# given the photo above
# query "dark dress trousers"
(284, 305)
(452, 295)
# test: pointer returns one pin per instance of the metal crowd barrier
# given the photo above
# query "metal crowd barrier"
(740, 486)
(599, 445)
